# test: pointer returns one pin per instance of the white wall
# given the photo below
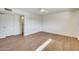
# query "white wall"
(9, 25)
(32, 24)
(76, 16)
(64, 23)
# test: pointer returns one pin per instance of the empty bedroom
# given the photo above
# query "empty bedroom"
(39, 29)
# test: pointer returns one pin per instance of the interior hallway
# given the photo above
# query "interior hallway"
(32, 42)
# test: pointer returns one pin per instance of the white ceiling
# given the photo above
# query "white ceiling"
(37, 10)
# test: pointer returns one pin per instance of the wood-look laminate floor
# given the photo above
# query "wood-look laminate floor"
(32, 42)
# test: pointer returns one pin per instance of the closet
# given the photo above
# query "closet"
(9, 25)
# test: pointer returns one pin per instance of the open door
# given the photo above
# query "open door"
(22, 24)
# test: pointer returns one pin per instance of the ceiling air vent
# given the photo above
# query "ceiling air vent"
(7, 9)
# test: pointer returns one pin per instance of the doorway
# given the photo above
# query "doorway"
(22, 24)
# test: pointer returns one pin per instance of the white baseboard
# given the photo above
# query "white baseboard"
(30, 33)
(63, 34)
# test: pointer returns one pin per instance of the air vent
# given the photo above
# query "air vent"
(7, 9)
